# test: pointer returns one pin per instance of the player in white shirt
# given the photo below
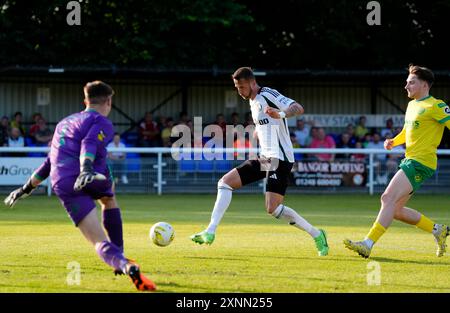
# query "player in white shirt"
(270, 109)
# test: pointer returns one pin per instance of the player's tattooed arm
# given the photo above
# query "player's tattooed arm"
(294, 109)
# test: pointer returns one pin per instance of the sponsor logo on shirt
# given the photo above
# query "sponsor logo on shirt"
(412, 124)
(101, 135)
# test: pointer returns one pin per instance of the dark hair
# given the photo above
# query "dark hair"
(243, 73)
(423, 73)
(17, 113)
(97, 92)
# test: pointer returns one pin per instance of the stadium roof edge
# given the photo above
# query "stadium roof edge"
(67, 71)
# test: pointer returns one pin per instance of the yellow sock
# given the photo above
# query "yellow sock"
(376, 232)
(425, 224)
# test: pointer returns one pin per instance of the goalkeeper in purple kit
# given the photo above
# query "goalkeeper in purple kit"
(79, 175)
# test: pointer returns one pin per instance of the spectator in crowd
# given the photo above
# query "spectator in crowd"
(393, 160)
(380, 158)
(43, 135)
(397, 131)
(389, 130)
(302, 133)
(118, 159)
(349, 129)
(4, 131)
(344, 143)
(162, 120)
(248, 119)
(35, 127)
(361, 129)
(366, 139)
(295, 145)
(184, 118)
(322, 140)
(148, 131)
(161, 124)
(358, 157)
(241, 142)
(294, 141)
(235, 119)
(376, 143)
(221, 122)
(166, 133)
(17, 123)
(15, 138)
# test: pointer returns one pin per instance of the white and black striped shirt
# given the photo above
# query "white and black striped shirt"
(273, 134)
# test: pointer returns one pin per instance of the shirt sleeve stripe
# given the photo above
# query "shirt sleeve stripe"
(445, 119)
(441, 105)
(271, 104)
(90, 155)
(37, 177)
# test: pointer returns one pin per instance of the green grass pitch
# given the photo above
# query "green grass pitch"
(253, 252)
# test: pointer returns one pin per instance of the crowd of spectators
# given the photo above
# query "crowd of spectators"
(151, 132)
(14, 133)
(157, 132)
(309, 135)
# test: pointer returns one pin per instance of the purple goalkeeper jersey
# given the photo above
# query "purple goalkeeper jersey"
(86, 133)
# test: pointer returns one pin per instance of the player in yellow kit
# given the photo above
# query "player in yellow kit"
(425, 120)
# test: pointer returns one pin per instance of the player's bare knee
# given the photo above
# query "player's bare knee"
(222, 184)
(228, 181)
(271, 206)
(386, 197)
(108, 203)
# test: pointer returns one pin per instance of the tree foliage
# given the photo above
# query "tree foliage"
(286, 34)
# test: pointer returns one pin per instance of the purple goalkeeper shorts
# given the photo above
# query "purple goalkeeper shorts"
(78, 204)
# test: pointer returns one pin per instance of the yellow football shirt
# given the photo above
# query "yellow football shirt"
(425, 120)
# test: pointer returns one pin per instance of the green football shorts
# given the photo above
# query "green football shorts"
(416, 172)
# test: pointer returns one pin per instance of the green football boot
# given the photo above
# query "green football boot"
(203, 237)
(321, 243)
(359, 247)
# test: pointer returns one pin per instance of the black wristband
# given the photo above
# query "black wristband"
(87, 165)
(28, 187)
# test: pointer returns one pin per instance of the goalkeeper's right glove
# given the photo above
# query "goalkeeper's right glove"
(87, 175)
(19, 193)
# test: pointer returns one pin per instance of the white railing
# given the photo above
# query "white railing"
(161, 164)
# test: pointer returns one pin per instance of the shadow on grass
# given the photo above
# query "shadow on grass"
(195, 288)
(391, 260)
(225, 258)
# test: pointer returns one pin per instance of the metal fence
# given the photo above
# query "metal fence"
(155, 171)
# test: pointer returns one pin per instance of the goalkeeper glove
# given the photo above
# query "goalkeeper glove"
(87, 175)
(19, 193)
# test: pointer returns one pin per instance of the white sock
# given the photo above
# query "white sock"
(295, 219)
(224, 193)
(368, 242)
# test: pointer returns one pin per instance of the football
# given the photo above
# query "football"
(162, 234)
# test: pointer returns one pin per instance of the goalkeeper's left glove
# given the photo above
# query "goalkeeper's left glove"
(19, 193)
